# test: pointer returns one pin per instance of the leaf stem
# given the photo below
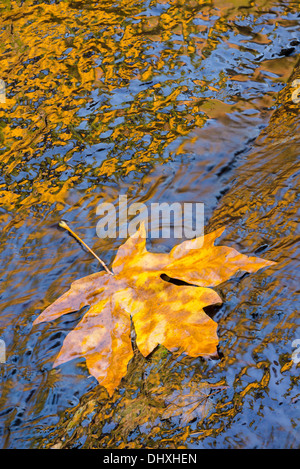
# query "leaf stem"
(64, 225)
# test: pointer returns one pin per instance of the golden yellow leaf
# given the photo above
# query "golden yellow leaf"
(138, 291)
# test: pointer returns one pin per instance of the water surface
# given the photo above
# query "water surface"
(164, 101)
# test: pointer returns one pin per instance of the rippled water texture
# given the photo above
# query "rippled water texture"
(164, 101)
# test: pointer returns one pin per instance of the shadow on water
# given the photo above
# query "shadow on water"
(164, 101)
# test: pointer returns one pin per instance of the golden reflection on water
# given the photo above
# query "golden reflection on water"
(96, 89)
(103, 96)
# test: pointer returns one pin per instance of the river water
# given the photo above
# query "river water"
(161, 101)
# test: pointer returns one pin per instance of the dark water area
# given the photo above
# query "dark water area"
(161, 101)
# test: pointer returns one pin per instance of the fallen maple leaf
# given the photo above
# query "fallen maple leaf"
(189, 403)
(162, 313)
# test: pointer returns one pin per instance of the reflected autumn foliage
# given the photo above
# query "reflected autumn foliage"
(99, 89)
(98, 93)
